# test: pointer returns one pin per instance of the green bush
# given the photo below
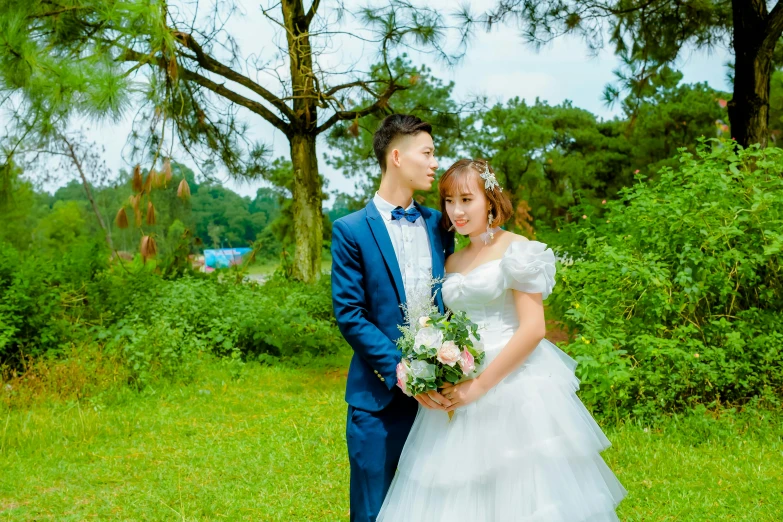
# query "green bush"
(159, 327)
(42, 297)
(281, 318)
(675, 289)
(153, 350)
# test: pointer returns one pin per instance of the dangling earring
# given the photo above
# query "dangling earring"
(489, 235)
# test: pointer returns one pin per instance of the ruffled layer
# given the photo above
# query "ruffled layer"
(526, 451)
(529, 266)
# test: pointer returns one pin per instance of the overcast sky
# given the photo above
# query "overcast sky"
(498, 65)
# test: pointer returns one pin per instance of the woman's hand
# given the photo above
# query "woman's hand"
(432, 400)
(463, 393)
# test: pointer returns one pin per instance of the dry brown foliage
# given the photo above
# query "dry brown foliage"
(122, 218)
(183, 191)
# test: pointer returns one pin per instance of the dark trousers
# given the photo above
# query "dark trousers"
(375, 442)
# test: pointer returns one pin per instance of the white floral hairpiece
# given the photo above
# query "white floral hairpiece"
(490, 181)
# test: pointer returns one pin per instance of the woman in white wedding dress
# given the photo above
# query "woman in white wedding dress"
(521, 447)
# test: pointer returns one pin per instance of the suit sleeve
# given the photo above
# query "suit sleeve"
(350, 308)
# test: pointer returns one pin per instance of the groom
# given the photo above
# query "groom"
(381, 256)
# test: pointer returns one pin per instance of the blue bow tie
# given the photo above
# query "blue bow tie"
(411, 214)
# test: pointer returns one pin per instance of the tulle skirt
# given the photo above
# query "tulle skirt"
(527, 451)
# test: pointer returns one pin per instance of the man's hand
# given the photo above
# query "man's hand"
(433, 400)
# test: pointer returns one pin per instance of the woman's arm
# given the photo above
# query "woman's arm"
(532, 329)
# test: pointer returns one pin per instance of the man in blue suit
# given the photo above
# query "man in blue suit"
(382, 257)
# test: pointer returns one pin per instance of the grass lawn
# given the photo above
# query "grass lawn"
(267, 266)
(269, 445)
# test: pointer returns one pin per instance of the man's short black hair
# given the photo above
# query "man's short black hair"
(392, 127)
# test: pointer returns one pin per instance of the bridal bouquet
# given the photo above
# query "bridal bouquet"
(437, 348)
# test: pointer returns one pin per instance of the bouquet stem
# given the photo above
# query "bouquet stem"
(451, 414)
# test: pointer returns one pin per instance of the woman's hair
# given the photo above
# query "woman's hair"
(456, 181)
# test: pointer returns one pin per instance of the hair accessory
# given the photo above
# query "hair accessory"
(490, 181)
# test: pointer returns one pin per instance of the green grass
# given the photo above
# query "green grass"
(267, 266)
(269, 445)
(264, 267)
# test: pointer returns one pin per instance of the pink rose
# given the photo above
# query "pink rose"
(402, 377)
(466, 362)
(448, 353)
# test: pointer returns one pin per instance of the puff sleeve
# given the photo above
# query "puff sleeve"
(529, 266)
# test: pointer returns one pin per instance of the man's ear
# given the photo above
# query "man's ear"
(395, 157)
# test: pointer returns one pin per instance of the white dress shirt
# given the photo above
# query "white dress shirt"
(412, 247)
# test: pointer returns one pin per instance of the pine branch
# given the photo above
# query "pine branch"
(380, 103)
(359, 83)
(71, 153)
(130, 55)
(774, 27)
(249, 104)
(311, 13)
(212, 65)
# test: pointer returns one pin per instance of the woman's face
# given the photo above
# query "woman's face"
(468, 208)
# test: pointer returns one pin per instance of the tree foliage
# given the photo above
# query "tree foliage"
(427, 97)
(649, 36)
(214, 216)
(194, 82)
(547, 157)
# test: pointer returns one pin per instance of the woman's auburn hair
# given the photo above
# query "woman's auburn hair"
(456, 180)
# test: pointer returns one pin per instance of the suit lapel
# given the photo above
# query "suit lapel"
(381, 235)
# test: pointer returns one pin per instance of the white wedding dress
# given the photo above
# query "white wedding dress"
(528, 450)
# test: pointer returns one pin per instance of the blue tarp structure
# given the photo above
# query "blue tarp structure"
(224, 257)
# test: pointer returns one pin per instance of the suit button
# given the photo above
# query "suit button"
(375, 372)
(383, 380)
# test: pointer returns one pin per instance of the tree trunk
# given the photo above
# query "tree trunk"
(749, 106)
(308, 217)
(308, 220)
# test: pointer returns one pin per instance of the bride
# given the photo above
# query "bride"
(520, 446)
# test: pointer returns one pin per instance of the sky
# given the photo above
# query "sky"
(498, 65)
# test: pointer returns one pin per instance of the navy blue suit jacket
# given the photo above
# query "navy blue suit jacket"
(367, 293)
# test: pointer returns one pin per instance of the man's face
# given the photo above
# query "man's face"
(415, 160)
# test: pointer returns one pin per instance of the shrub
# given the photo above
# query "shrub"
(33, 302)
(675, 289)
(153, 350)
(156, 325)
(281, 318)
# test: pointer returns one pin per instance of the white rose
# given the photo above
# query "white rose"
(424, 321)
(423, 370)
(428, 338)
(449, 353)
